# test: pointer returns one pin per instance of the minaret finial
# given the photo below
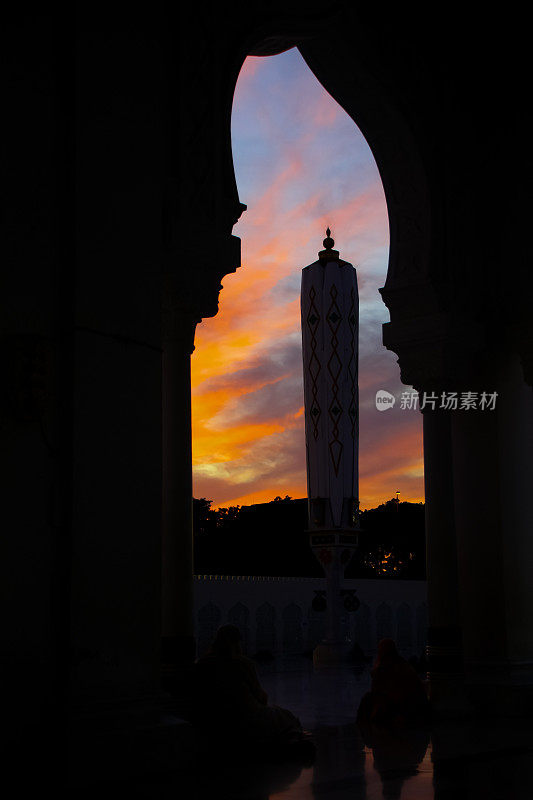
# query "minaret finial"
(329, 254)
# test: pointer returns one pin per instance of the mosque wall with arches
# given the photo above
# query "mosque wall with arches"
(286, 616)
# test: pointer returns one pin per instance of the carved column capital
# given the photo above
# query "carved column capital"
(178, 326)
(191, 285)
(437, 351)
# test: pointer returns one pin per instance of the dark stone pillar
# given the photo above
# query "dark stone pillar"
(189, 295)
(477, 519)
(444, 649)
(116, 450)
(191, 284)
(515, 444)
(177, 645)
(434, 357)
(492, 470)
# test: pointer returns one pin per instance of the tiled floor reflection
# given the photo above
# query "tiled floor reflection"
(476, 760)
(318, 697)
(346, 769)
(326, 702)
(490, 759)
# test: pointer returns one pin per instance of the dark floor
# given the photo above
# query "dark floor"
(489, 760)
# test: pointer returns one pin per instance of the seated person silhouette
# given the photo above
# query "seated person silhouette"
(230, 703)
(397, 750)
(397, 693)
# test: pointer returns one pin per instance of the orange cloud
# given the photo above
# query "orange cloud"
(260, 495)
(236, 441)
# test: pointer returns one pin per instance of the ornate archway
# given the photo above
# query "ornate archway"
(440, 324)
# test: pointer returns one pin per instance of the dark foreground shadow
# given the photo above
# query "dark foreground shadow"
(243, 776)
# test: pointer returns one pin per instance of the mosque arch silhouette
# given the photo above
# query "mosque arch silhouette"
(429, 338)
(118, 230)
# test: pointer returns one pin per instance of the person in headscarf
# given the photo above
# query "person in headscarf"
(397, 692)
(229, 699)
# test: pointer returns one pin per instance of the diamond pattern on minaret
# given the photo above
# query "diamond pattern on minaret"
(330, 325)
(314, 366)
(352, 363)
(334, 319)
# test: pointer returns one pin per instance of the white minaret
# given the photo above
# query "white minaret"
(330, 333)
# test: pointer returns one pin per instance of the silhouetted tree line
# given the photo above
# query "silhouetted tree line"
(206, 520)
(272, 539)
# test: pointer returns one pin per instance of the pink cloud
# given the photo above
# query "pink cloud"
(325, 111)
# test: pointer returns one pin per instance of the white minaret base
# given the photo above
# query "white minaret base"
(334, 550)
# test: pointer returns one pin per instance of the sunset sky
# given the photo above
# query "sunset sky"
(301, 164)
